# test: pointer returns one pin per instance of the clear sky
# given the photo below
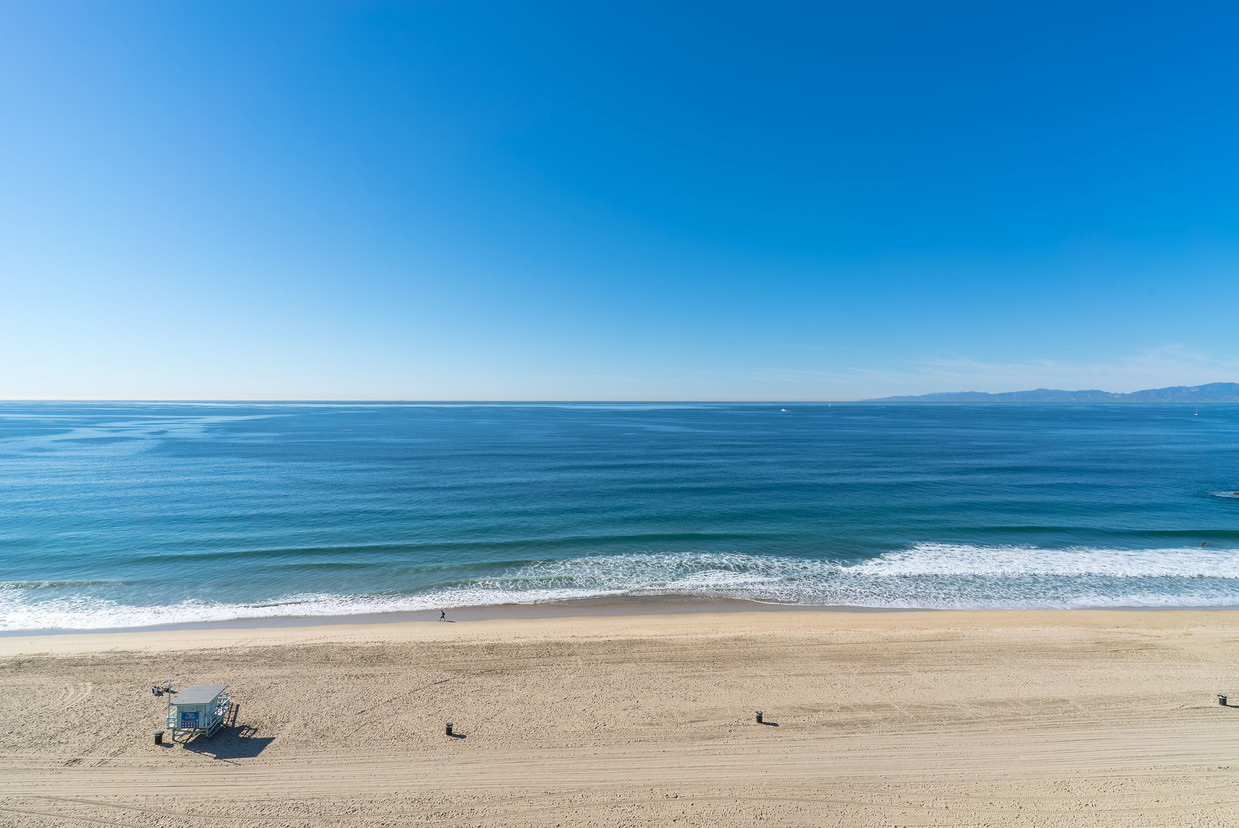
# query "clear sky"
(528, 200)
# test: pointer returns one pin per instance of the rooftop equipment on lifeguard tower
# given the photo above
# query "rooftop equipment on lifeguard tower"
(199, 709)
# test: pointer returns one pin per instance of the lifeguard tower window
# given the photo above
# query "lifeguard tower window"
(198, 709)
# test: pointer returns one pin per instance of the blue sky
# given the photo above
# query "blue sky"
(455, 200)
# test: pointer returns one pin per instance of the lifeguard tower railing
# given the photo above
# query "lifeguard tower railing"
(198, 710)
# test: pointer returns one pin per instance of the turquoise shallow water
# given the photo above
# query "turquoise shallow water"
(135, 514)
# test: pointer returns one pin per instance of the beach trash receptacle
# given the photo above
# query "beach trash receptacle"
(448, 729)
(1221, 699)
(159, 737)
(759, 714)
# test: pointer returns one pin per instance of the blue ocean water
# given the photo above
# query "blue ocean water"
(115, 515)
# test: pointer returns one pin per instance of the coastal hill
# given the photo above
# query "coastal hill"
(1214, 392)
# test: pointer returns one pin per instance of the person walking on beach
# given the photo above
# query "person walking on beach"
(442, 615)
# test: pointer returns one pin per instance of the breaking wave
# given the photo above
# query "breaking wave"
(922, 576)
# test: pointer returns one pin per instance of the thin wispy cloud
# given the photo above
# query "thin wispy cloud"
(1152, 368)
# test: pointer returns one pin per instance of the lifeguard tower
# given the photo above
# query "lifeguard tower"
(198, 710)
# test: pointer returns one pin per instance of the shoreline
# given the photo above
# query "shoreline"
(577, 608)
(637, 622)
(582, 607)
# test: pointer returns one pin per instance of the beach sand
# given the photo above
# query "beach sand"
(1007, 718)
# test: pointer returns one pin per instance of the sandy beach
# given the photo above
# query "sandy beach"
(936, 718)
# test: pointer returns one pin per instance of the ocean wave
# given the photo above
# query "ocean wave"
(922, 576)
(55, 584)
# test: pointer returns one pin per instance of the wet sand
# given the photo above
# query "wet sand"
(936, 718)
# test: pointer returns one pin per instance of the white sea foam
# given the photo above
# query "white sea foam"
(965, 559)
(88, 613)
(927, 575)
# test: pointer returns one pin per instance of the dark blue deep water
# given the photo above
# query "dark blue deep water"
(134, 514)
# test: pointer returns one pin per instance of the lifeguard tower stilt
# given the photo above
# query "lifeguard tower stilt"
(198, 710)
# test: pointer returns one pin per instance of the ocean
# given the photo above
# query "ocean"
(135, 514)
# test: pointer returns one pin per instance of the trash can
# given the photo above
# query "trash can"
(448, 729)
(759, 717)
(1221, 699)
(159, 737)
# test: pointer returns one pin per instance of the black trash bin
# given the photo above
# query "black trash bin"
(1221, 699)
(159, 737)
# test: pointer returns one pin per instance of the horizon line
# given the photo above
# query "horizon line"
(894, 400)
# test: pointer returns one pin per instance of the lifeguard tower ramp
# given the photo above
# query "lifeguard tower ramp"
(198, 710)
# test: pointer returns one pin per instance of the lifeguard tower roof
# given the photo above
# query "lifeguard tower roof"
(199, 694)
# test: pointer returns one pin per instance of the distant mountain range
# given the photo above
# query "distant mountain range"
(1214, 392)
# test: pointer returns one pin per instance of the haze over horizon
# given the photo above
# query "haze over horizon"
(455, 201)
